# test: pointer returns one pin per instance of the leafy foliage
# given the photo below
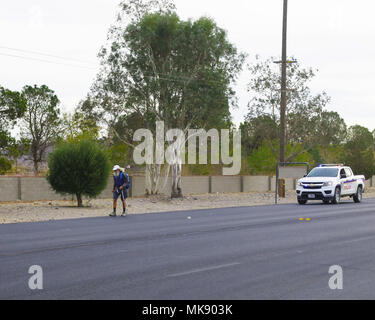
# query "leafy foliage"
(256, 130)
(163, 68)
(17, 148)
(308, 123)
(78, 126)
(41, 122)
(120, 153)
(5, 165)
(81, 168)
(12, 107)
(264, 161)
(359, 151)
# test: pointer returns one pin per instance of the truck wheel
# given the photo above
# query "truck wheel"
(302, 202)
(358, 196)
(337, 196)
(326, 201)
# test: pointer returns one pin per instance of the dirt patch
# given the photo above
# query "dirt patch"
(16, 212)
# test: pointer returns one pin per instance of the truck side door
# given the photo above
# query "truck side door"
(351, 181)
(345, 186)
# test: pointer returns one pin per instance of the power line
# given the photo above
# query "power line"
(182, 79)
(171, 79)
(46, 54)
(47, 61)
(158, 77)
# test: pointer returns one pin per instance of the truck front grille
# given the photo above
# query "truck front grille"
(313, 185)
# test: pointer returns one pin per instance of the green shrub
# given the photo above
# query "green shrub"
(5, 165)
(78, 167)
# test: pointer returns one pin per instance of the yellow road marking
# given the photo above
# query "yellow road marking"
(302, 219)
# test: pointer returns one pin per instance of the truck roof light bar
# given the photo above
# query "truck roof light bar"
(331, 165)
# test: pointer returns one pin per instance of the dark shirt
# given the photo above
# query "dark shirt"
(120, 181)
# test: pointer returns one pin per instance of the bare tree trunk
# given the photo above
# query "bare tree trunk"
(177, 156)
(148, 186)
(176, 180)
(36, 168)
(157, 178)
(79, 200)
(153, 172)
(16, 164)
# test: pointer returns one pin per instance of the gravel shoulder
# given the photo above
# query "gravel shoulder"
(17, 212)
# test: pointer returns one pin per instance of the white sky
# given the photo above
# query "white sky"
(335, 36)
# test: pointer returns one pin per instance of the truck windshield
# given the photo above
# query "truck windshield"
(323, 172)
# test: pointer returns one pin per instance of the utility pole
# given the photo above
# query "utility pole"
(283, 84)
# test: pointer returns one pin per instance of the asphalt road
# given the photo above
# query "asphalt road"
(236, 253)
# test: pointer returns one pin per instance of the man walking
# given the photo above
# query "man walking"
(121, 183)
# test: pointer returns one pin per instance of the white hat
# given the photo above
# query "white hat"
(116, 167)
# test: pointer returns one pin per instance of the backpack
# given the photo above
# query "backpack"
(127, 179)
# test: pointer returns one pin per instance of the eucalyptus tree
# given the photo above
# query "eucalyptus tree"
(161, 68)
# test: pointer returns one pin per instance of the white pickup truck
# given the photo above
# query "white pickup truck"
(329, 183)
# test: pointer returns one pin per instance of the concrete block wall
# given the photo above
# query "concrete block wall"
(34, 189)
(168, 186)
(195, 185)
(138, 186)
(206, 184)
(256, 183)
(290, 184)
(9, 189)
(37, 188)
(225, 184)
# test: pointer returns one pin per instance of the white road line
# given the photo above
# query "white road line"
(203, 270)
(357, 240)
(123, 251)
